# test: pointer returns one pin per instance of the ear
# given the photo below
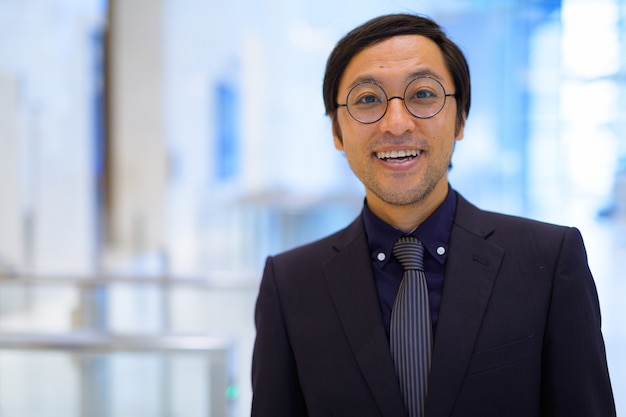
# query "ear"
(460, 133)
(338, 138)
(459, 130)
(338, 143)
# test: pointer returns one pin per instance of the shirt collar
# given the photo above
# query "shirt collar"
(434, 232)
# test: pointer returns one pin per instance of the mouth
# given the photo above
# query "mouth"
(398, 156)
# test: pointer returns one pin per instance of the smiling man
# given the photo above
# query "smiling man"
(380, 132)
(425, 305)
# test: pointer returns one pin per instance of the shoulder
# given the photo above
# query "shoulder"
(514, 231)
(477, 220)
(505, 223)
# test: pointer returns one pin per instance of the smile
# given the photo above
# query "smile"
(408, 153)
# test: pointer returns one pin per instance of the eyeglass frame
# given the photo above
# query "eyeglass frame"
(403, 98)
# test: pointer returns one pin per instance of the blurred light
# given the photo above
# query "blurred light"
(590, 38)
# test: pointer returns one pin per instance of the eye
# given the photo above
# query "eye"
(366, 95)
(424, 91)
(368, 99)
(424, 94)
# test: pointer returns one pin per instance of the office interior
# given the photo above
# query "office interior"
(154, 152)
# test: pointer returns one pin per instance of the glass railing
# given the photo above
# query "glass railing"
(121, 347)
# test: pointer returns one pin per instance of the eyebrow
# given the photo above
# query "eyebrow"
(424, 72)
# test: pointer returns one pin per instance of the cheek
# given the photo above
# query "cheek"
(348, 134)
(442, 140)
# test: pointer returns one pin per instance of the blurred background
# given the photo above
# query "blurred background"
(154, 152)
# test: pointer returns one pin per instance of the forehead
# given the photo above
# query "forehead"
(395, 61)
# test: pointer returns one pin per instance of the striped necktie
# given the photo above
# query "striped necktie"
(411, 326)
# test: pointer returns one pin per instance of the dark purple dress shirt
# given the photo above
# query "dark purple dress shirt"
(434, 233)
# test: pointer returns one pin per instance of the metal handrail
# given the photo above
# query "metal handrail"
(96, 341)
(218, 350)
(236, 281)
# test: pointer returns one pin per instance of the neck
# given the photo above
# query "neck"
(408, 217)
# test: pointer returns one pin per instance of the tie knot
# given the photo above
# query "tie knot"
(410, 253)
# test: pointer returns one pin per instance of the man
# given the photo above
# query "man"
(512, 310)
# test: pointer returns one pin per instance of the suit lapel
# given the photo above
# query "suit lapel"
(473, 263)
(351, 285)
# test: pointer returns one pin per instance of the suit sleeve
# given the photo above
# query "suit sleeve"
(276, 389)
(575, 374)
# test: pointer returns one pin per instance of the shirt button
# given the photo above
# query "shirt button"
(381, 256)
(441, 250)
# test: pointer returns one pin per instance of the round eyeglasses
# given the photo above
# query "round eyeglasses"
(367, 102)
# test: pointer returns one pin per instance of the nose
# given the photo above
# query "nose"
(397, 120)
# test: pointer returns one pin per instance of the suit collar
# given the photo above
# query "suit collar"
(351, 286)
(472, 219)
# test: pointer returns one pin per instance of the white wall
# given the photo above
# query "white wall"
(11, 218)
(47, 55)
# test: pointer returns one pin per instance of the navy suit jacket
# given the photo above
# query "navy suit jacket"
(518, 332)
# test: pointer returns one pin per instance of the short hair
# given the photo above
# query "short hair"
(384, 27)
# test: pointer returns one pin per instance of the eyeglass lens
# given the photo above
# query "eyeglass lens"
(424, 97)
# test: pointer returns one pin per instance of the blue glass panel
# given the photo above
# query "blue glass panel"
(227, 134)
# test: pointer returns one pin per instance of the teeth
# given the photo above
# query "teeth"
(397, 154)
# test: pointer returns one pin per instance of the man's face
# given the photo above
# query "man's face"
(399, 181)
